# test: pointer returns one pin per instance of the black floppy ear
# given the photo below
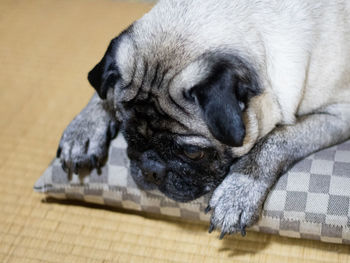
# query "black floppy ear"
(220, 98)
(105, 74)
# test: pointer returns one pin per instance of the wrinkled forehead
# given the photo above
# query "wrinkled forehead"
(146, 120)
(148, 117)
(157, 61)
(153, 83)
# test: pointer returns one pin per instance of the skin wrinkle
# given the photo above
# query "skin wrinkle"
(162, 78)
(127, 86)
(145, 71)
(178, 105)
(139, 89)
(155, 75)
(157, 105)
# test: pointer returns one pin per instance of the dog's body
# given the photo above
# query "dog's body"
(196, 84)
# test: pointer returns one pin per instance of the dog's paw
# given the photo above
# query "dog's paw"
(84, 143)
(236, 204)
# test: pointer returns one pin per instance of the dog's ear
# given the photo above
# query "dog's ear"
(105, 74)
(222, 98)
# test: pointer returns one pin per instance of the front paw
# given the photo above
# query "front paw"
(236, 204)
(84, 143)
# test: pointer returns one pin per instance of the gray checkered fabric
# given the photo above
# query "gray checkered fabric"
(310, 201)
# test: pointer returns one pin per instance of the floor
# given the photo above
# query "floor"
(46, 49)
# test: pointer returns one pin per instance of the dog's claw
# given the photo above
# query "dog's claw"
(243, 231)
(113, 130)
(58, 153)
(207, 210)
(93, 160)
(76, 168)
(211, 228)
(222, 235)
(64, 166)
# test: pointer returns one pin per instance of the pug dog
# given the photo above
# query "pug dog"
(219, 96)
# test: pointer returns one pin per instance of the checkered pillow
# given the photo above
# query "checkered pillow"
(310, 201)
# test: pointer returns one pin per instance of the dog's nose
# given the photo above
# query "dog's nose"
(152, 167)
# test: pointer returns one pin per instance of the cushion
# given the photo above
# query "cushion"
(309, 201)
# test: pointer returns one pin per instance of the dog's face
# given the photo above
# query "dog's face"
(183, 111)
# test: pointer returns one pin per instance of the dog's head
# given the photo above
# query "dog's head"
(183, 107)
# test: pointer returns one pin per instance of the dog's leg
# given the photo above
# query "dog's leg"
(237, 201)
(84, 143)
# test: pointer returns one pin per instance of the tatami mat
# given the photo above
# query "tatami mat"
(46, 49)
